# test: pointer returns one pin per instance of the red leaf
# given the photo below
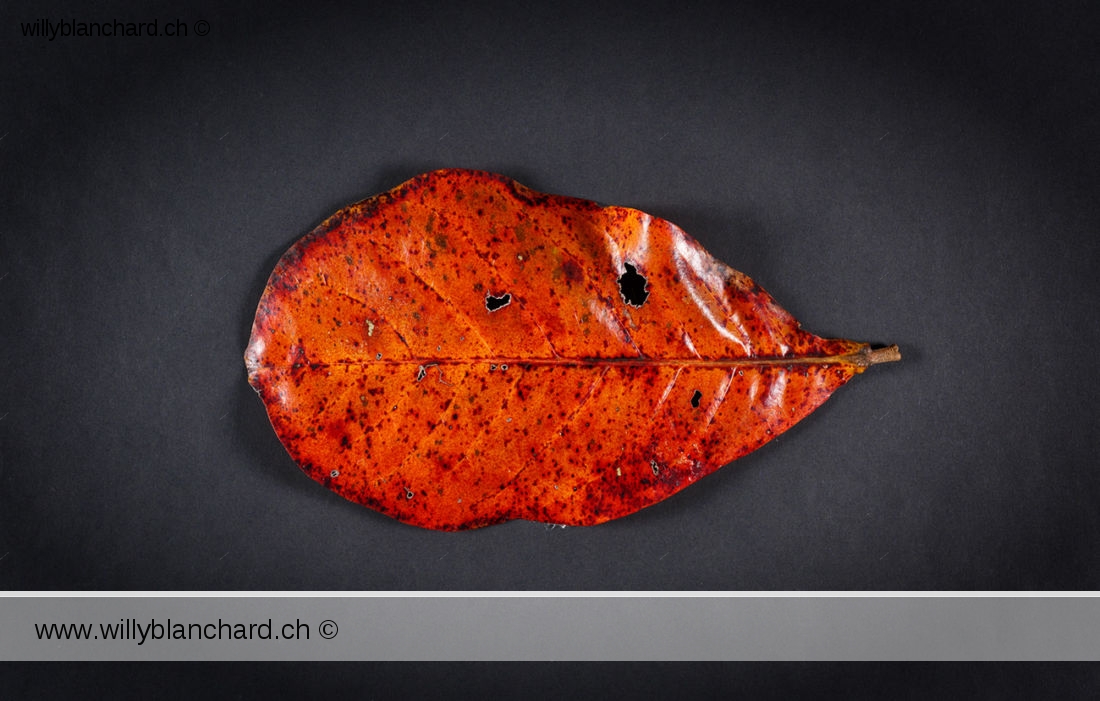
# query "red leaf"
(462, 351)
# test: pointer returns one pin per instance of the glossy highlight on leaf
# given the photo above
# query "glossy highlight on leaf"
(462, 351)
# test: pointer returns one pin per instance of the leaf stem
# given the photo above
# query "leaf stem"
(889, 354)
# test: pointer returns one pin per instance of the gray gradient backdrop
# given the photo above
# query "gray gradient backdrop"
(915, 173)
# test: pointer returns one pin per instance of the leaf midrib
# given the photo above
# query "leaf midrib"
(859, 358)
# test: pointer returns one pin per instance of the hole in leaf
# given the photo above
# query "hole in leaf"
(494, 303)
(632, 286)
(695, 398)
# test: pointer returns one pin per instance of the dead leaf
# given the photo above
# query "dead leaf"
(462, 351)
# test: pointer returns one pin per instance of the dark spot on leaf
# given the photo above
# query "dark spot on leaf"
(494, 303)
(572, 272)
(695, 398)
(632, 286)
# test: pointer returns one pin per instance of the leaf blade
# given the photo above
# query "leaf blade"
(460, 351)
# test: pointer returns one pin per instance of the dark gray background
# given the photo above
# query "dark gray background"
(923, 174)
(549, 680)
